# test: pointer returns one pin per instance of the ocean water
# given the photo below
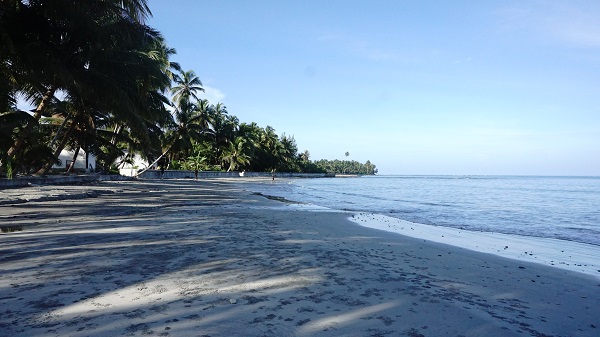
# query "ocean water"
(565, 208)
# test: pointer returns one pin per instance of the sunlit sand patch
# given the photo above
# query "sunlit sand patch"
(78, 227)
(110, 230)
(345, 318)
(169, 289)
(507, 296)
(290, 241)
(275, 284)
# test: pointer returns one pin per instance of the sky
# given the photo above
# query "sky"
(416, 87)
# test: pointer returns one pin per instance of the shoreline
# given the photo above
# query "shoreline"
(174, 258)
(564, 254)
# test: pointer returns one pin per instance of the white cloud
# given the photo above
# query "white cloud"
(360, 46)
(575, 23)
(213, 95)
(583, 30)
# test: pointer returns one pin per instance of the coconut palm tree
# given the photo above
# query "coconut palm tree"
(288, 151)
(305, 156)
(34, 154)
(61, 46)
(50, 44)
(251, 133)
(345, 169)
(235, 154)
(269, 150)
(190, 117)
(187, 84)
(203, 109)
(185, 129)
(222, 129)
(142, 136)
(132, 79)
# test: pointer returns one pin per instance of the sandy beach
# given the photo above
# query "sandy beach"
(206, 258)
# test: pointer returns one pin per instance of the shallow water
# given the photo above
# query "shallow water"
(566, 208)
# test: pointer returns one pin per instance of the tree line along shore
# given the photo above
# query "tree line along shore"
(102, 82)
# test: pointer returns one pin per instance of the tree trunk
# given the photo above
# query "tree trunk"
(20, 141)
(154, 162)
(62, 125)
(70, 168)
(87, 160)
(44, 169)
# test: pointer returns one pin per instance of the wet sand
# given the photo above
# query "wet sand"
(205, 258)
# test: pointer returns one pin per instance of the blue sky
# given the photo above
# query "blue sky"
(417, 87)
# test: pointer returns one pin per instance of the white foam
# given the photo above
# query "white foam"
(575, 256)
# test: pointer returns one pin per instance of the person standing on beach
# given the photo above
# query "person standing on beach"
(162, 171)
(196, 174)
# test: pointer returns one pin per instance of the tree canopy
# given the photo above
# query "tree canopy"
(102, 81)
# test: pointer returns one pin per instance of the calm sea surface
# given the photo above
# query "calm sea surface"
(566, 208)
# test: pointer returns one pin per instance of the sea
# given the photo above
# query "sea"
(564, 208)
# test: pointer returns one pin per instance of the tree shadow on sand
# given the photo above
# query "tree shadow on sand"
(207, 259)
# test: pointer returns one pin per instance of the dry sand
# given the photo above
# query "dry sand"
(205, 258)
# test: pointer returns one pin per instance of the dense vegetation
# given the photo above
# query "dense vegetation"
(103, 81)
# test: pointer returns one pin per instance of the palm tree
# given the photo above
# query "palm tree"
(163, 53)
(288, 154)
(184, 130)
(203, 109)
(221, 130)
(142, 135)
(34, 154)
(49, 44)
(345, 169)
(305, 156)
(186, 86)
(235, 154)
(133, 80)
(251, 133)
(190, 117)
(269, 149)
(189, 122)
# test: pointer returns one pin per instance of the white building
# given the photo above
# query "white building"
(126, 168)
(80, 163)
(131, 168)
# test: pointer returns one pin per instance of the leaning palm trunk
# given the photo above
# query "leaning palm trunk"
(62, 125)
(156, 161)
(20, 141)
(63, 143)
(74, 159)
